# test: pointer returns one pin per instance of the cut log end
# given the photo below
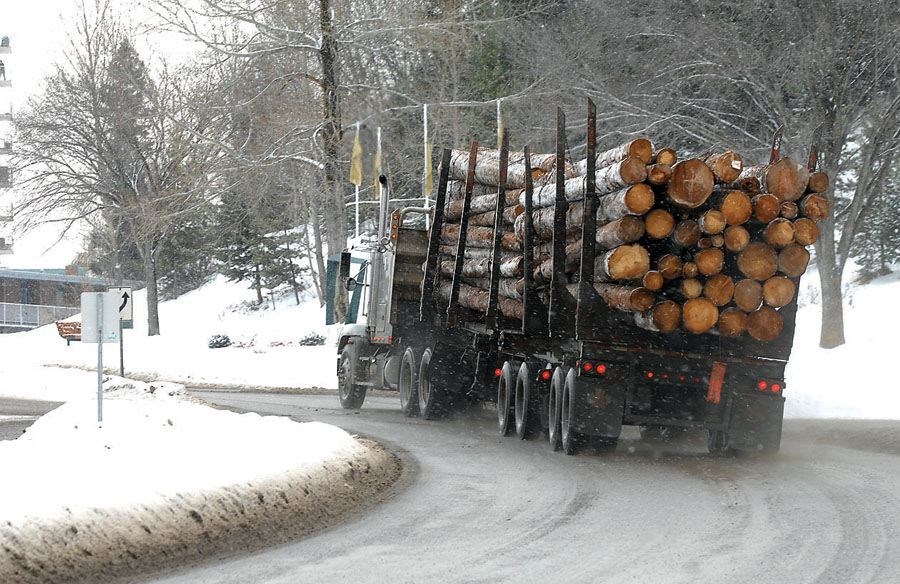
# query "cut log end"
(659, 223)
(719, 289)
(699, 315)
(690, 288)
(779, 232)
(793, 260)
(666, 316)
(814, 207)
(778, 291)
(687, 233)
(748, 295)
(806, 232)
(818, 182)
(758, 261)
(639, 198)
(726, 166)
(691, 183)
(712, 222)
(766, 207)
(732, 322)
(626, 262)
(666, 156)
(689, 270)
(659, 174)
(736, 207)
(710, 261)
(653, 280)
(670, 266)
(737, 238)
(765, 324)
(790, 210)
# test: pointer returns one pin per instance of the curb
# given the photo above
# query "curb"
(105, 544)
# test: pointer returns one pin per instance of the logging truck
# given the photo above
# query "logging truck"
(541, 298)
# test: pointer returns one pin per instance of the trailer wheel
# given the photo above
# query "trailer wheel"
(569, 437)
(505, 387)
(553, 410)
(351, 395)
(432, 398)
(409, 383)
(527, 404)
(717, 443)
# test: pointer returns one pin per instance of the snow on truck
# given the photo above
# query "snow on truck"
(629, 288)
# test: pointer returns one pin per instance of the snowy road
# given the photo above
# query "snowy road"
(17, 414)
(479, 508)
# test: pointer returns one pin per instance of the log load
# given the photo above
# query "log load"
(624, 298)
(686, 234)
(726, 166)
(818, 182)
(778, 291)
(664, 317)
(653, 280)
(779, 232)
(793, 260)
(659, 174)
(634, 200)
(690, 288)
(481, 268)
(719, 289)
(626, 262)
(666, 156)
(735, 206)
(486, 219)
(737, 238)
(814, 207)
(732, 322)
(765, 324)
(785, 178)
(710, 261)
(712, 222)
(659, 224)
(448, 250)
(699, 315)
(747, 184)
(487, 167)
(758, 261)
(766, 207)
(806, 232)
(670, 266)
(456, 190)
(478, 299)
(689, 270)
(691, 183)
(480, 237)
(628, 224)
(790, 210)
(748, 295)
(481, 204)
(640, 149)
(506, 287)
(609, 179)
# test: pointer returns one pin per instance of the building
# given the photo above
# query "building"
(33, 298)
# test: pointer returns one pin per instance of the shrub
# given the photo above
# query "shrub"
(219, 341)
(312, 340)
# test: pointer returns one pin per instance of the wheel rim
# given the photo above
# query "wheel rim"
(520, 404)
(502, 403)
(425, 385)
(564, 415)
(345, 379)
(405, 386)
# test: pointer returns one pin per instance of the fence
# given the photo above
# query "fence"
(29, 316)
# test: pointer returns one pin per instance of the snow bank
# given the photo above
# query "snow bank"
(166, 478)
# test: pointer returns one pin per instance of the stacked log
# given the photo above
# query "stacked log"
(703, 245)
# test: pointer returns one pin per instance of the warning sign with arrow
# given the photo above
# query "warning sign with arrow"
(126, 314)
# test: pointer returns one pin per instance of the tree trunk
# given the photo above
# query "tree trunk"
(257, 284)
(152, 290)
(320, 274)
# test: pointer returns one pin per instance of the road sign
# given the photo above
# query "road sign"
(99, 322)
(126, 304)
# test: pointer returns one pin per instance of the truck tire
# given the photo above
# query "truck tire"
(432, 397)
(527, 404)
(351, 395)
(409, 383)
(506, 386)
(553, 410)
(570, 439)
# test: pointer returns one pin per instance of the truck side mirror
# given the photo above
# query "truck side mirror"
(345, 265)
(350, 284)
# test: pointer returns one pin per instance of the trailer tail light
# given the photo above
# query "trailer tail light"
(546, 374)
(587, 366)
(601, 368)
(776, 388)
(498, 372)
(592, 368)
(762, 385)
(650, 375)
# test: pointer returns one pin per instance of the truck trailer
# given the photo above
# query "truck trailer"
(570, 368)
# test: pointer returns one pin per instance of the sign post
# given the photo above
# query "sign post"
(99, 324)
(126, 319)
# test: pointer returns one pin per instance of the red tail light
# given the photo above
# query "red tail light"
(601, 369)
(498, 372)
(546, 375)
(587, 366)
(776, 388)
(650, 375)
(762, 385)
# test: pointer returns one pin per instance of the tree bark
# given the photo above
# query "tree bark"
(640, 148)
(152, 290)
(478, 299)
(487, 219)
(481, 204)
(480, 237)
(481, 268)
(487, 167)
(506, 287)
(691, 183)
(609, 179)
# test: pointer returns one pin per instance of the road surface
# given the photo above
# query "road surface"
(479, 508)
(17, 414)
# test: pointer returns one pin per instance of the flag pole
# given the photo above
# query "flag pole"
(356, 195)
(425, 192)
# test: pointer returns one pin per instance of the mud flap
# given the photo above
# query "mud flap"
(755, 422)
(599, 407)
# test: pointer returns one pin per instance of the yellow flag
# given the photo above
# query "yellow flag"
(377, 166)
(356, 160)
(427, 185)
